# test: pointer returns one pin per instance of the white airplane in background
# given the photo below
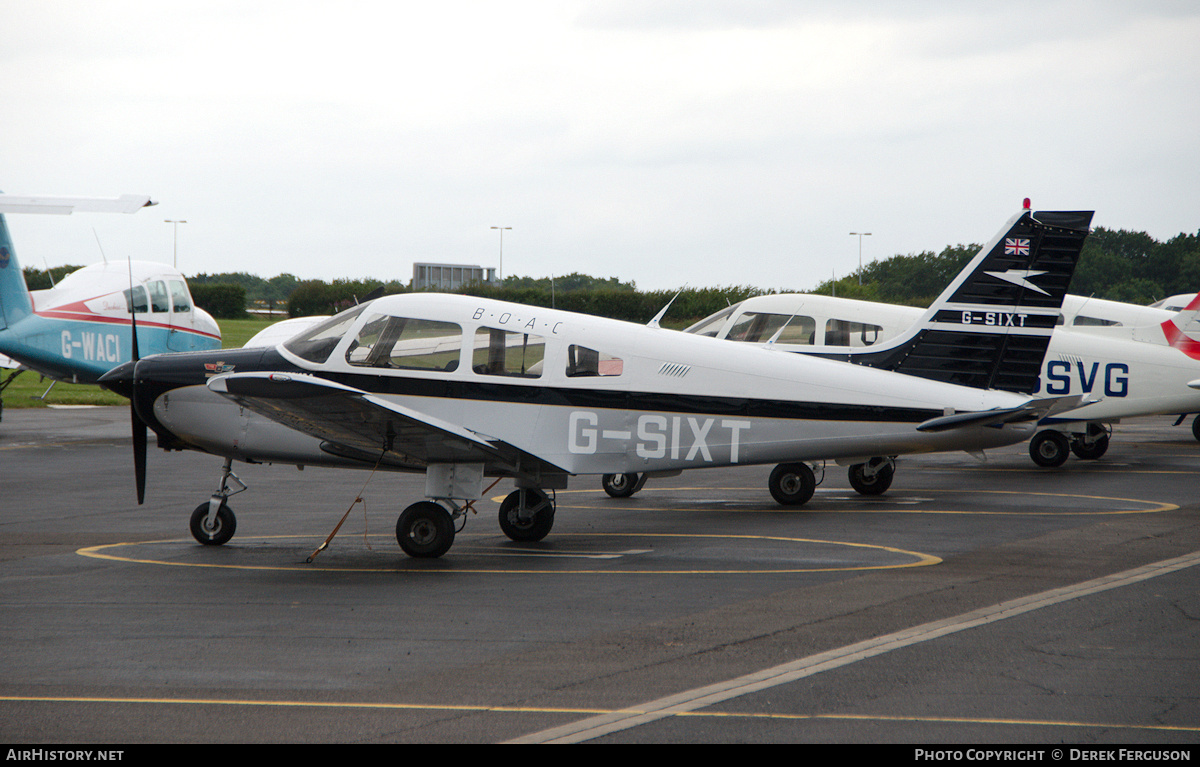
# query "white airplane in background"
(1135, 360)
(80, 329)
(460, 388)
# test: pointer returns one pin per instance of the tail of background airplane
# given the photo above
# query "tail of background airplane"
(1175, 329)
(990, 328)
(15, 303)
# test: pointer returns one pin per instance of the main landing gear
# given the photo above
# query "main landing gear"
(425, 529)
(1050, 448)
(790, 484)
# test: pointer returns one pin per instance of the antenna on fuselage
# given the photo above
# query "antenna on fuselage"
(779, 332)
(654, 322)
(98, 245)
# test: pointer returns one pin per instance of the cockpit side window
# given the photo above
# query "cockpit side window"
(180, 301)
(582, 361)
(850, 333)
(505, 353)
(158, 296)
(1097, 322)
(138, 302)
(406, 343)
(318, 342)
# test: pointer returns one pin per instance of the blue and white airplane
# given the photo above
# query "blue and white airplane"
(80, 329)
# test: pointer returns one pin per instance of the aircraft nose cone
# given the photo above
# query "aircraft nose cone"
(119, 379)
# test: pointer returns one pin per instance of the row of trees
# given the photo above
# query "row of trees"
(1117, 265)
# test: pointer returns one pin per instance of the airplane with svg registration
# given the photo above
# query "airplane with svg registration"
(1127, 360)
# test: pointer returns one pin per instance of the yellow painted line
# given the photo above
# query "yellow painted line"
(448, 567)
(801, 668)
(551, 710)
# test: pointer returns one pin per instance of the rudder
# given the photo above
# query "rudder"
(15, 303)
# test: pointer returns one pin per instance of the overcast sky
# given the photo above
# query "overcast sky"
(700, 142)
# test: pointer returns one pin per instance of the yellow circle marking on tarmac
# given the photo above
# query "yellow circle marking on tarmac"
(447, 566)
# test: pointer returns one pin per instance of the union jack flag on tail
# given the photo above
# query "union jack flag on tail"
(1016, 247)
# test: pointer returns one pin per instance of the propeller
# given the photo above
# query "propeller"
(137, 425)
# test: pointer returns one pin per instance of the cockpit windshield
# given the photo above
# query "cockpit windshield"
(319, 341)
(711, 325)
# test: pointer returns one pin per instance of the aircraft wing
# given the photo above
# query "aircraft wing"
(126, 203)
(1033, 410)
(356, 424)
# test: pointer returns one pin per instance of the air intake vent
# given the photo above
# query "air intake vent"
(674, 370)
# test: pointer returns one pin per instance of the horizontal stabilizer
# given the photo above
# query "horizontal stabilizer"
(126, 203)
(1033, 410)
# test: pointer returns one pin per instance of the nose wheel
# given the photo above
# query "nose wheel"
(213, 529)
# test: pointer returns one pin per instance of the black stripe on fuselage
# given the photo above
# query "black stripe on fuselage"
(170, 373)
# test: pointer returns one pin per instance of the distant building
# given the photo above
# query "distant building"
(450, 276)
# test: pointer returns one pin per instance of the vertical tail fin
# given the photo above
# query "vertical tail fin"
(1174, 329)
(990, 328)
(15, 303)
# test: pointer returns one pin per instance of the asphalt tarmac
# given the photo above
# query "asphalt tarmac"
(974, 603)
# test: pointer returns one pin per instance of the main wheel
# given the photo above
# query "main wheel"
(219, 531)
(425, 530)
(792, 484)
(1049, 448)
(877, 483)
(622, 485)
(1096, 448)
(527, 515)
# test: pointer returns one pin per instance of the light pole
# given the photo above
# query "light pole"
(500, 271)
(860, 235)
(175, 254)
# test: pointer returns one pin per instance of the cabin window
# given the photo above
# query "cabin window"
(139, 302)
(180, 300)
(760, 327)
(406, 343)
(505, 353)
(847, 333)
(582, 361)
(158, 296)
(1095, 322)
(318, 342)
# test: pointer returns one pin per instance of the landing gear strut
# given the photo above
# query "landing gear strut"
(213, 522)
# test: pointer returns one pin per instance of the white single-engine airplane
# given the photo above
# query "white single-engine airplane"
(461, 388)
(1132, 360)
(81, 328)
